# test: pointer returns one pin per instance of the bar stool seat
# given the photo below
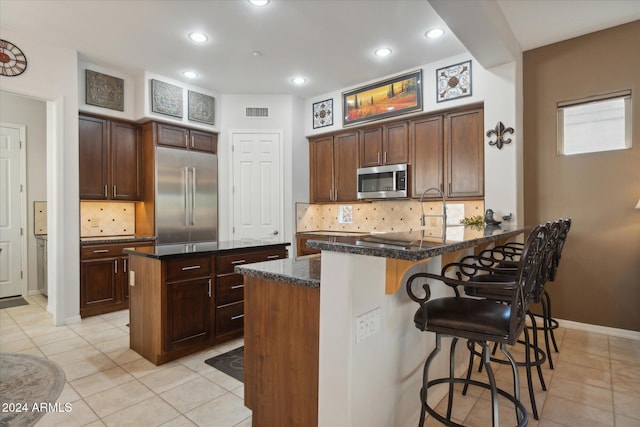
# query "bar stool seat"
(479, 320)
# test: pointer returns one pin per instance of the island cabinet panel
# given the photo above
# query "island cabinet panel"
(110, 160)
(427, 154)
(333, 165)
(281, 353)
(229, 289)
(104, 270)
(464, 154)
(188, 313)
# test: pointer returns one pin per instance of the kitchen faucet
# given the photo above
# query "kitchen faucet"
(444, 207)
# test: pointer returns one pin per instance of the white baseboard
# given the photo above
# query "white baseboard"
(597, 329)
(34, 292)
(72, 319)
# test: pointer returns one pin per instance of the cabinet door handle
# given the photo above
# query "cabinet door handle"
(239, 316)
(237, 286)
(186, 140)
(105, 192)
(192, 141)
(115, 193)
(100, 251)
(191, 267)
(273, 256)
(124, 262)
(378, 161)
(209, 288)
(240, 261)
(115, 266)
(385, 157)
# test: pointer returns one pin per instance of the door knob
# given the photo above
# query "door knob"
(275, 233)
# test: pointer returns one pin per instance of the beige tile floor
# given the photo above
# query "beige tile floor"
(596, 380)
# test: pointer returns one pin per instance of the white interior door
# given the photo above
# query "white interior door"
(11, 240)
(257, 186)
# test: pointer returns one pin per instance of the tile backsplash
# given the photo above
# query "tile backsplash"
(397, 215)
(107, 219)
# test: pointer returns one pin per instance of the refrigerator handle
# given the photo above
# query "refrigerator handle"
(186, 195)
(193, 194)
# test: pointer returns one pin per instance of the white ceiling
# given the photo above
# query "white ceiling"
(330, 42)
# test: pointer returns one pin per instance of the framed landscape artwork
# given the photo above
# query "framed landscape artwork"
(391, 97)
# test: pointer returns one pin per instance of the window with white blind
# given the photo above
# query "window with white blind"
(589, 125)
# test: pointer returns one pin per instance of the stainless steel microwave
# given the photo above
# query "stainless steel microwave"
(382, 182)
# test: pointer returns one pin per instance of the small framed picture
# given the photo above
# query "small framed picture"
(166, 98)
(453, 82)
(323, 113)
(104, 91)
(202, 108)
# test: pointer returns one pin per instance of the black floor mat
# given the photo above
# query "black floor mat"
(231, 363)
(12, 302)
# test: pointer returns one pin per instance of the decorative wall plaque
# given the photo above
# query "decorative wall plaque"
(104, 91)
(166, 98)
(202, 108)
(323, 113)
(453, 81)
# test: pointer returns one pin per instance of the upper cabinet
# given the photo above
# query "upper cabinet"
(384, 145)
(333, 166)
(110, 156)
(447, 153)
(464, 154)
(181, 137)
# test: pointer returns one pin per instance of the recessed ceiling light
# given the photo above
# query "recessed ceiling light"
(190, 74)
(259, 2)
(198, 37)
(256, 53)
(298, 80)
(385, 51)
(434, 33)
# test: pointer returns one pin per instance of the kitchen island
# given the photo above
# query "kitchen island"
(341, 347)
(186, 297)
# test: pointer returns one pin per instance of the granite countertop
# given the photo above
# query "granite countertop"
(332, 233)
(418, 244)
(160, 251)
(302, 271)
(115, 239)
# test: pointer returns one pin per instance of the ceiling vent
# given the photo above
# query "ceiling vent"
(256, 112)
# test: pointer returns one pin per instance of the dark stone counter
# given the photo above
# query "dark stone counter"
(418, 244)
(115, 239)
(200, 248)
(303, 271)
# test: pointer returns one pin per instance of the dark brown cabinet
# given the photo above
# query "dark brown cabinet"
(427, 154)
(333, 166)
(384, 145)
(464, 154)
(229, 289)
(188, 302)
(104, 278)
(182, 304)
(446, 152)
(110, 159)
(181, 137)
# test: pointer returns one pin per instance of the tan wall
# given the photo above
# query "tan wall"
(599, 276)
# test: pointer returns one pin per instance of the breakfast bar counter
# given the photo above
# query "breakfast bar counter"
(343, 350)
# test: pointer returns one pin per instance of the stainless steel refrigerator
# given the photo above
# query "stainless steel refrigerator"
(186, 196)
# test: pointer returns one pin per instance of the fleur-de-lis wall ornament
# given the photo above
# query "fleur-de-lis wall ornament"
(500, 132)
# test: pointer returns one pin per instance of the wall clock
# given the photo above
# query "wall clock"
(13, 62)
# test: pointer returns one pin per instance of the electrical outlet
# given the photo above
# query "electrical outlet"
(95, 222)
(368, 324)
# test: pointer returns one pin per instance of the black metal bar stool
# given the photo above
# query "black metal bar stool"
(481, 320)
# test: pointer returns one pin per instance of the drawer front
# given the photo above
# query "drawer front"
(229, 289)
(186, 268)
(229, 318)
(109, 250)
(226, 263)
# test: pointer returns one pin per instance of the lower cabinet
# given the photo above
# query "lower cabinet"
(104, 278)
(183, 304)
